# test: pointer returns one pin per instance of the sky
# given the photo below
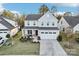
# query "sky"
(32, 8)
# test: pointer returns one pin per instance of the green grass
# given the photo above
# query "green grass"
(20, 48)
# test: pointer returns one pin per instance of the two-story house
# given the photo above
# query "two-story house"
(44, 26)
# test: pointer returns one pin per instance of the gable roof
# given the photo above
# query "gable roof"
(5, 23)
(72, 20)
(33, 16)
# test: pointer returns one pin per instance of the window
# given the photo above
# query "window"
(53, 24)
(28, 23)
(46, 32)
(50, 32)
(5, 32)
(42, 24)
(34, 23)
(0, 38)
(1, 32)
(30, 32)
(54, 32)
(48, 24)
(42, 32)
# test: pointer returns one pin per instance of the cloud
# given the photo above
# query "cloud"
(2, 9)
(15, 12)
(68, 4)
(59, 13)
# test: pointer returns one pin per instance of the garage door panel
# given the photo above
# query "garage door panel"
(46, 36)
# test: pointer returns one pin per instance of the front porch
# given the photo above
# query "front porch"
(33, 34)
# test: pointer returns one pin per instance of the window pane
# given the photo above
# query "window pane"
(0, 32)
(50, 32)
(34, 23)
(42, 24)
(53, 24)
(54, 32)
(28, 23)
(5, 32)
(42, 32)
(30, 32)
(46, 32)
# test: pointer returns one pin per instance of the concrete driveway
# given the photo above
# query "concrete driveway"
(51, 47)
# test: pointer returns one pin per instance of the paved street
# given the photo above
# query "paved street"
(51, 47)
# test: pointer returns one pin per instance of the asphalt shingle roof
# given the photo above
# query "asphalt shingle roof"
(33, 16)
(42, 28)
(72, 20)
(5, 23)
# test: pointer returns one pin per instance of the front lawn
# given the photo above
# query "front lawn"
(20, 48)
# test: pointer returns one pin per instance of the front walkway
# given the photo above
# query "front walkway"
(51, 47)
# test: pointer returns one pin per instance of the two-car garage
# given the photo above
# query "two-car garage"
(48, 34)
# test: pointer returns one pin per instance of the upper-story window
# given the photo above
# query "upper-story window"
(48, 24)
(53, 24)
(50, 32)
(42, 32)
(28, 23)
(42, 24)
(46, 32)
(34, 23)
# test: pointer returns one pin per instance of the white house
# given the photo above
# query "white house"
(69, 22)
(13, 23)
(44, 26)
(6, 28)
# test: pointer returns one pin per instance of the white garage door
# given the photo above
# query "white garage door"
(48, 35)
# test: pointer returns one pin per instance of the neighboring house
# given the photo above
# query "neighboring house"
(6, 28)
(44, 26)
(13, 23)
(69, 23)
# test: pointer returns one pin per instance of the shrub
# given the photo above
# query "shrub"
(23, 39)
(77, 40)
(59, 38)
(8, 36)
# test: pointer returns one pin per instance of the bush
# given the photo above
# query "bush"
(23, 39)
(77, 40)
(8, 36)
(59, 38)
